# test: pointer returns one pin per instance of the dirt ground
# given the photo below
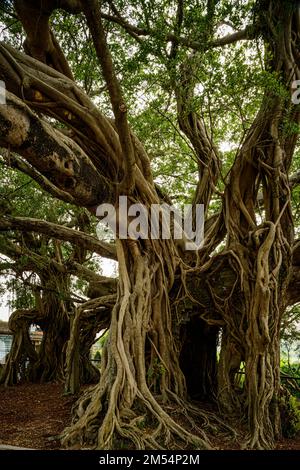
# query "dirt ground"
(31, 414)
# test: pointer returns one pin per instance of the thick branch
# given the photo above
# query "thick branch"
(193, 126)
(220, 277)
(83, 272)
(58, 231)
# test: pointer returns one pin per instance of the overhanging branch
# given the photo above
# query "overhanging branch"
(50, 93)
(58, 231)
(294, 179)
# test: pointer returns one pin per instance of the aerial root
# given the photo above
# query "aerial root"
(144, 426)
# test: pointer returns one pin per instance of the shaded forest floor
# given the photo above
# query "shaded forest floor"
(30, 414)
